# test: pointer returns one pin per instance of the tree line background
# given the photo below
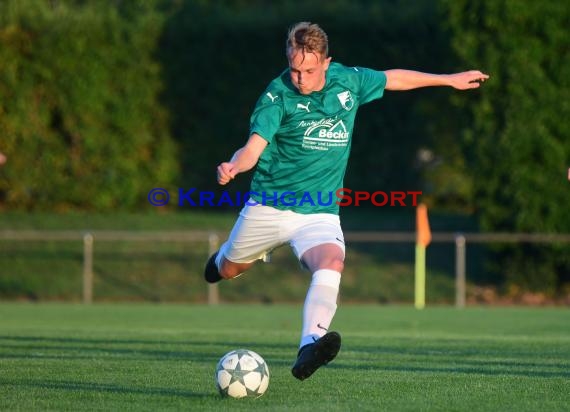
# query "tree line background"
(102, 101)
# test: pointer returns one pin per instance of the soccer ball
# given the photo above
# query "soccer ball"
(242, 373)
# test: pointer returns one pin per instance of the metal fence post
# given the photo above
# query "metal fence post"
(87, 268)
(460, 270)
(213, 290)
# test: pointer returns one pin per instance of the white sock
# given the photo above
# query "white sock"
(320, 305)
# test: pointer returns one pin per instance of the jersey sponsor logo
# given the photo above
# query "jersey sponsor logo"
(346, 100)
(324, 134)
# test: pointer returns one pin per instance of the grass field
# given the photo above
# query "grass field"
(162, 357)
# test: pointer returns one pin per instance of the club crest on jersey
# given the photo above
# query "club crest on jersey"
(346, 100)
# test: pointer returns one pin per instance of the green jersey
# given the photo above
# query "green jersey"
(309, 138)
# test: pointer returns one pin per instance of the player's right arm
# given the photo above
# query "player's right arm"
(243, 159)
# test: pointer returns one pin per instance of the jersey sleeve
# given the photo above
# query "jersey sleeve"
(267, 115)
(372, 84)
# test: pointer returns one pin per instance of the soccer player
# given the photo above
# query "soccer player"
(300, 136)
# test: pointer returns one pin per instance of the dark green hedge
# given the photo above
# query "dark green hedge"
(518, 143)
(79, 117)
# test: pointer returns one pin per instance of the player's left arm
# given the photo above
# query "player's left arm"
(399, 79)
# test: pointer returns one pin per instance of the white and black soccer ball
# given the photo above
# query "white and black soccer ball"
(242, 373)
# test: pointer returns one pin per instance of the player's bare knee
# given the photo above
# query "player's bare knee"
(334, 264)
(338, 265)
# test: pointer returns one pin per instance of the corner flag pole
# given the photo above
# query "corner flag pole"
(423, 239)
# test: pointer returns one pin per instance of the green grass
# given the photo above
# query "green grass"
(162, 357)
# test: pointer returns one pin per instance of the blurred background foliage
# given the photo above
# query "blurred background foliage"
(102, 101)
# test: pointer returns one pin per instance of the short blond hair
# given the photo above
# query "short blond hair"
(308, 38)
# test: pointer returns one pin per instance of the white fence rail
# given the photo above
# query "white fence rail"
(213, 238)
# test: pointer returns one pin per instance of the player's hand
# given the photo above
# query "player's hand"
(467, 80)
(226, 172)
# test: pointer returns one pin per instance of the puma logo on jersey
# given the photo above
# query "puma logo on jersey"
(304, 106)
(273, 98)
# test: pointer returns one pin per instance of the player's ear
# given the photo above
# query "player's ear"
(326, 62)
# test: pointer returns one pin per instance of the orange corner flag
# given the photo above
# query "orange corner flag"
(423, 232)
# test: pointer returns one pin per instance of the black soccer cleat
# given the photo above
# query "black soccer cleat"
(211, 273)
(314, 355)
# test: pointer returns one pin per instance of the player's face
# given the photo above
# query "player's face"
(308, 71)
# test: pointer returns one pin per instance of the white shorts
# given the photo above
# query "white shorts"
(260, 229)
